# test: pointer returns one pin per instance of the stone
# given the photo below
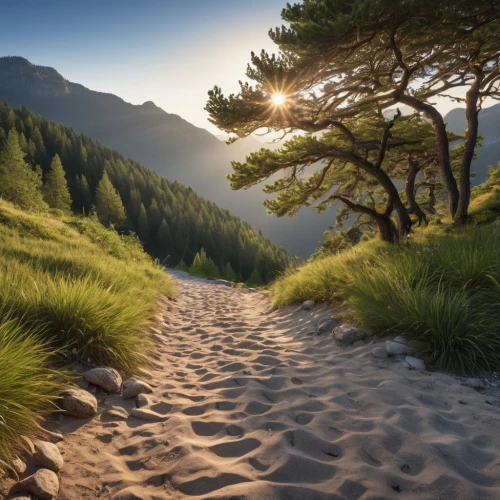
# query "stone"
(47, 456)
(327, 326)
(398, 358)
(475, 383)
(21, 496)
(132, 388)
(18, 465)
(358, 343)
(380, 352)
(79, 403)
(43, 484)
(142, 400)
(415, 363)
(394, 348)
(117, 412)
(307, 305)
(148, 415)
(348, 335)
(105, 377)
(400, 340)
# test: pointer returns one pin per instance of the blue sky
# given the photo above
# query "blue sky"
(169, 52)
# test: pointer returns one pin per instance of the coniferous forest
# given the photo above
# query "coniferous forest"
(170, 219)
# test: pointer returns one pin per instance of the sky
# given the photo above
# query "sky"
(165, 51)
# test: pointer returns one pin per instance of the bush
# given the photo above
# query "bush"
(28, 387)
(204, 266)
(445, 296)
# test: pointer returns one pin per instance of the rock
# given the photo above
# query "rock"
(400, 340)
(105, 377)
(83, 384)
(348, 335)
(358, 343)
(48, 456)
(21, 496)
(18, 465)
(475, 383)
(398, 358)
(43, 484)
(327, 326)
(308, 304)
(394, 348)
(380, 352)
(142, 400)
(148, 415)
(117, 412)
(133, 388)
(415, 363)
(79, 403)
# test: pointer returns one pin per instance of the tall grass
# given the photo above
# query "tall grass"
(28, 387)
(443, 293)
(94, 291)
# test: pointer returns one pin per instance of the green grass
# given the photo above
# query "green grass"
(28, 388)
(65, 284)
(442, 291)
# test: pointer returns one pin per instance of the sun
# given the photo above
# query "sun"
(278, 99)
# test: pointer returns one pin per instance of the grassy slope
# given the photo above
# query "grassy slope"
(65, 284)
(442, 290)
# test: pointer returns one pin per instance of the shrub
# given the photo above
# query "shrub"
(28, 387)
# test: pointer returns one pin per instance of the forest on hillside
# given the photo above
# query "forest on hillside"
(170, 219)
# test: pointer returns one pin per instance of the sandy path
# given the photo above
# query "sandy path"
(258, 409)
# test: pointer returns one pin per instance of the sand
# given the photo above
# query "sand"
(255, 407)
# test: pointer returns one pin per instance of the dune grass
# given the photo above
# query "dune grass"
(442, 291)
(28, 387)
(66, 285)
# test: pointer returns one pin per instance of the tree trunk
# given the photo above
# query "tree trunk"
(444, 161)
(472, 115)
(387, 229)
(413, 206)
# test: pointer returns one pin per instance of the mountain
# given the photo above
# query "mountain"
(489, 129)
(170, 145)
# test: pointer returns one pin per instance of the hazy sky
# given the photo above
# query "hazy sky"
(166, 51)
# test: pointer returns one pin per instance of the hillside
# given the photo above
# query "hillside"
(489, 129)
(172, 220)
(165, 142)
(70, 291)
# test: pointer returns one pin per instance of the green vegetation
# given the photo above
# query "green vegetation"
(443, 291)
(28, 387)
(55, 190)
(171, 220)
(69, 287)
(204, 266)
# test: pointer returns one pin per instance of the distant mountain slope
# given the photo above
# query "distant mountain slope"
(169, 144)
(489, 128)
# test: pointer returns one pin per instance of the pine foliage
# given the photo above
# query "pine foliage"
(55, 190)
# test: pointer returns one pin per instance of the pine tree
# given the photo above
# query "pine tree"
(228, 273)
(204, 266)
(55, 190)
(163, 240)
(108, 203)
(143, 230)
(19, 183)
(84, 197)
(255, 279)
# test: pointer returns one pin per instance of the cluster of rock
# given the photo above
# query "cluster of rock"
(396, 350)
(79, 403)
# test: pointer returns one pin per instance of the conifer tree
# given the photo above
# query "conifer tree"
(55, 190)
(204, 266)
(163, 240)
(228, 273)
(143, 230)
(255, 279)
(84, 196)
(108, 203)
(19, 183)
